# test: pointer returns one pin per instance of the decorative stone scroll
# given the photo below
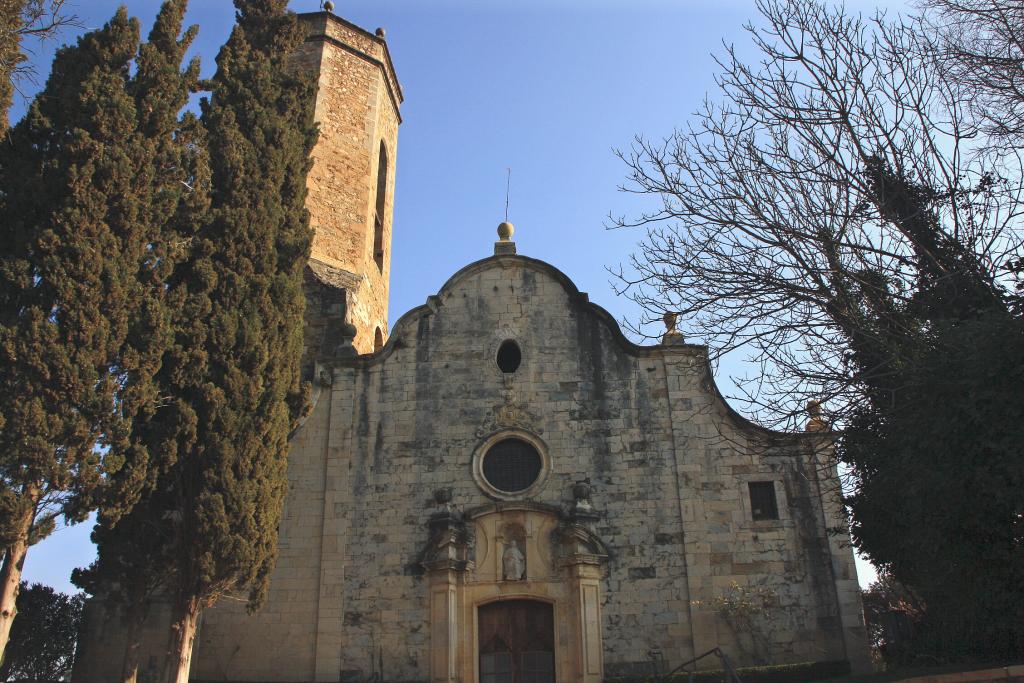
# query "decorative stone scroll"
(507, 416)
(576, 542)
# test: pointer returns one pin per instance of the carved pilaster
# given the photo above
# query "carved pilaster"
(446, 558)
(583, 554)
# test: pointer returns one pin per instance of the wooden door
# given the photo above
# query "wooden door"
(517, 642)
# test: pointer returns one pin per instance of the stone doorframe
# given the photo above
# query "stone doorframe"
(564, 567)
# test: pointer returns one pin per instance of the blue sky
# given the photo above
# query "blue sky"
(547, 88)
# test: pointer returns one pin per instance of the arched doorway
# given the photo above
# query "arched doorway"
(517, 642)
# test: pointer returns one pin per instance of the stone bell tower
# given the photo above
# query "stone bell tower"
(352, 182)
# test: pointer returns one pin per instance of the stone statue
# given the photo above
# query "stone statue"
(513, 564)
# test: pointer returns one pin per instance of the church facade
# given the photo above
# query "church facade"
(504, 488)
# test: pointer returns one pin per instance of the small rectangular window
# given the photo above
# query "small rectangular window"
(762, 500)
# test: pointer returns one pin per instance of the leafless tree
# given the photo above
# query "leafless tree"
(769, 238)
(980, 43)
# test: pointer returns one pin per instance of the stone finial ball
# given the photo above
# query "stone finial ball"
(329, 6)
(505, 231)
(380, 32)
(581, 490)
(348, 330)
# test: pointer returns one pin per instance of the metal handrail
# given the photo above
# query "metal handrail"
(730, 672)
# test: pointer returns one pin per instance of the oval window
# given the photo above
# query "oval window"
(512, 465)
(509, 357)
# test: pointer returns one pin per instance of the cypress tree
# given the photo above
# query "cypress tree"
(19, 19)
(10, 53)
(234, 369)
(131, 561)
(94, 186)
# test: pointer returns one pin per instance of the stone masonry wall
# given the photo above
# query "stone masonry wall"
(279, 642)
(356, 109)
(668, 462)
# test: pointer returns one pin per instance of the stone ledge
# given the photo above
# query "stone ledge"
(1005, 673)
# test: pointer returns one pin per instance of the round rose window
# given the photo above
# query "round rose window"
(512, 465)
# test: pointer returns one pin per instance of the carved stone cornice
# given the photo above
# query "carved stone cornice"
(576, 544)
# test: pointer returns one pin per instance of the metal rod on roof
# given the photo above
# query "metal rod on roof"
(508, 188)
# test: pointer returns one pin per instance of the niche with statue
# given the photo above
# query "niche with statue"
(513, 554)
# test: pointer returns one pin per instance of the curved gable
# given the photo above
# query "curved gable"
(457, 283)
(487, 301)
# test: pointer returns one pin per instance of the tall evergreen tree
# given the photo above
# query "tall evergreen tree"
(93, 182)
(234, 368)
(131, 563)
(10, 53)
(19, 19)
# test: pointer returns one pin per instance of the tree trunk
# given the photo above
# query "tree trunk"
(183, 633)
(135, 620)
(10, 575)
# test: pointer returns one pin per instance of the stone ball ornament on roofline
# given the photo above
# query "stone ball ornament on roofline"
(505, 245)
(672, 334)
(815, 422)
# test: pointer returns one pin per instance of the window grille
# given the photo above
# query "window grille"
(512, 465)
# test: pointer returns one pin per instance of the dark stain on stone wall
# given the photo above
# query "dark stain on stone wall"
(813, 549)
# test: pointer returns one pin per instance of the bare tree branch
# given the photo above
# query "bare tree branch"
(38, 20)
(767, 235)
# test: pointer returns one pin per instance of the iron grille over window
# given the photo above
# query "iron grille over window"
(762, 500)
(512, 465)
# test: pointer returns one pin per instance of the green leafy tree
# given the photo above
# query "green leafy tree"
(95, 183)
(42, 645)
(936, 445)
(133, 566)
(938, 498)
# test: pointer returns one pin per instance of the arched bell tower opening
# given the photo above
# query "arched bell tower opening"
(380, 207)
